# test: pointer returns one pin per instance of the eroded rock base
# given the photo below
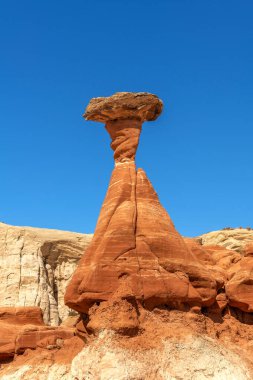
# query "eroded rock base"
(124, 341)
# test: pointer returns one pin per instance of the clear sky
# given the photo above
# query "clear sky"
(196, 55)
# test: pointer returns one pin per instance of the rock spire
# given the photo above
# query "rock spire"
(136, 252)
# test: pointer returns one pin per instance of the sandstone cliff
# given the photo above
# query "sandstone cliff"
(35, 267)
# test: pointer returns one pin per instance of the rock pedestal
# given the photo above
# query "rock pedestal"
(136, 252)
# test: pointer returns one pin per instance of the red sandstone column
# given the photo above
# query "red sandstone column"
(136, 251)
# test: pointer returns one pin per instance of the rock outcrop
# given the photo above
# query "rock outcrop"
(50, 257)
(136, 251)
(231, 238)
(238, 262)
(22, 328)
(35, 267)
(239, 288)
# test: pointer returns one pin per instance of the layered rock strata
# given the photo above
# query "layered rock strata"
(35, 267)
(239, 269)
(231, 238)
(22, 328)
(136, 251)
(50, 269)
(169, 344)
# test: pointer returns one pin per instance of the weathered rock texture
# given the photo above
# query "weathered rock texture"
(136, 251)
(239, 288)
(125, 138)
(239, 274)
(35, 266)
(64, 250)
(231, 238)
(248, 249)
(169, 345)
(23, 328)
(124, 105)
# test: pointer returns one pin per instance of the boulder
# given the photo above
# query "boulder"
(23, 327)
(124, 105)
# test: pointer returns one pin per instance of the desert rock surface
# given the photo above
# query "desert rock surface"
(35, 266)
(231, 238)
(171, 344)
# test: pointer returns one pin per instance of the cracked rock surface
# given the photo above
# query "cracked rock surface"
(124, 105)
(35, 267)
(137, 252)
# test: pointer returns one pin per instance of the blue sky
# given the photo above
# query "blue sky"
(196, 55)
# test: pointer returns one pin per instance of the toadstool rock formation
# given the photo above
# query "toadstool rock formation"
(136, 252)
(135, 263)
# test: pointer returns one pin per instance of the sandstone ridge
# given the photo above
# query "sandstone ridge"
(35, 266)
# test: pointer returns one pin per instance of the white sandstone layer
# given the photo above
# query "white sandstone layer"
(194, 358)
(35, 267)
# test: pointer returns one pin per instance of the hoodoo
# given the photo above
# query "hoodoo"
(152, 304)
(136, 252)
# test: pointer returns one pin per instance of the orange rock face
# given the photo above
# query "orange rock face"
(23, 327)
(125, 136)
(136, 251)
(233, 269)
(21, 315)
(248, 250)
(239, 288)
